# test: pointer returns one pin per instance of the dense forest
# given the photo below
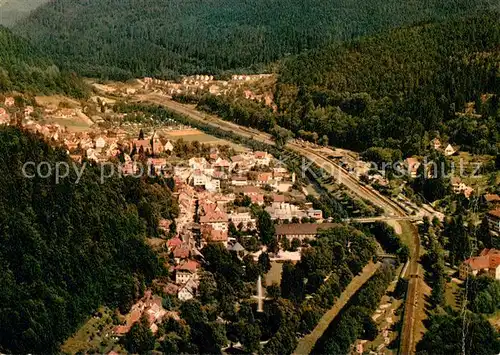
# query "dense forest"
(355, 320)
(459, 333)
(24, 68)
(391, 93)
(400, 89)
(120, 39)
(68, 247)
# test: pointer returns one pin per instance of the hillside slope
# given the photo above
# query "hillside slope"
(399, 89)
(67, 248)
(24, 68)
(164, 38)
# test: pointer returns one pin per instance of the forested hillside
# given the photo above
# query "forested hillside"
(399, 89)
(24, 68)
(125, 38)
(67, 248)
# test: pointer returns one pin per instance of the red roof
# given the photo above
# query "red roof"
(223, 163)
(213, 217)
(248, 190)
(237, 158)
(164, 224)
(264, 177)
(174, 242)
(492, 198)
(157, 161)
(260, 155)
(144, 143)
(488, 259)
(494, 213)
(190, 265)
(218, 236)
(278, 198)
(181, 252)
(257, 198)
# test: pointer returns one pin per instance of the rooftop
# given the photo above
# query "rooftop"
(488, 259)
(302, 228)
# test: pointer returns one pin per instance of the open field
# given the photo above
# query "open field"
(55, 100)
(93, 336)
(452, 294)
(274, 275)
(195, 135)
(74, 124)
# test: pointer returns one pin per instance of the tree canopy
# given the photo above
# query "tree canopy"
(397, 89)
(120, 39)
(67, 247)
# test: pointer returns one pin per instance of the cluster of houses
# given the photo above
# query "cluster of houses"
(200, 84)
(488, 261)
(208, 191)
(458, 186)
(8, 105)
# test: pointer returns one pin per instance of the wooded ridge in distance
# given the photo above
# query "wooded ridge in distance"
(397, 89)
(125, 38)
(25, 68)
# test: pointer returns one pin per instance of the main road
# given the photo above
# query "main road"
(391, 209)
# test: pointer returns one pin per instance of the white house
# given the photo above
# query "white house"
(239, 181)
(493, 217)
(169, 147)
(212, 185)
(217, 220)
(244, 217)
(9, 101)
(100, 143)
(188, 291)
(199, 179)
(262, 158)
(4, 116)
(449, 150)
(435, 144)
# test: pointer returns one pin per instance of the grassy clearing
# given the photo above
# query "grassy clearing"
(452, 295)
(203, 138)
(93, 336)
(407, 235)
(274, 275)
